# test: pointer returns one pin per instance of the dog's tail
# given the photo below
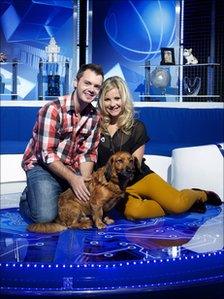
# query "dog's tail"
(46, 228)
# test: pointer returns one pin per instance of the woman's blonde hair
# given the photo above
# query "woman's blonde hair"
(126, 119)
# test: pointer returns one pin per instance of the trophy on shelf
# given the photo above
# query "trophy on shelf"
(52, 50)
(3, 57)
(51, 73)
(53, 79)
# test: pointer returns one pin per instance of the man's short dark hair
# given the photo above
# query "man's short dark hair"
(96, 68)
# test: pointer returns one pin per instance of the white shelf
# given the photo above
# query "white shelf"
(8, 94)
(180, 65)
(11, 62)
(177, 95)
(56, 62)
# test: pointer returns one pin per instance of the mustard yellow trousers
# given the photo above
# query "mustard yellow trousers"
(153, 197)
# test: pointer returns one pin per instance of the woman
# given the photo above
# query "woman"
(148, 195)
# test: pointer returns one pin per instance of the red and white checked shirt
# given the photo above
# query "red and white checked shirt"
(59, 134)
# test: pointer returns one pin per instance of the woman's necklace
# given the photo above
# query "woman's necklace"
(120, 135)
(112, 129)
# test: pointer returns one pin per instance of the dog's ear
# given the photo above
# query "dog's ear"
(108, 170)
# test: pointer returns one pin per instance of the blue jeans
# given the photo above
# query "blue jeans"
(39, 200)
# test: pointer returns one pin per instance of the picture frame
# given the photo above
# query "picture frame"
(167, 56)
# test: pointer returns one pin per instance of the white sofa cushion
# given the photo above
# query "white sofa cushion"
(198, 167)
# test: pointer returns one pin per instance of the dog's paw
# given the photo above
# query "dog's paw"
(86, 223)
(100, 225)
(85, 226)
(108, 220)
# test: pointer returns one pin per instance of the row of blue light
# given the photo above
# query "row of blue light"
(103, 265)
(138, 286)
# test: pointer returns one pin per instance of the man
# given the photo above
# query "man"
(63, 147)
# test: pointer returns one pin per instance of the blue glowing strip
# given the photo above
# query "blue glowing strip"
(110, 265)
(160, 285)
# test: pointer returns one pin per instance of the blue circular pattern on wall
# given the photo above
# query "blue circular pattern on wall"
(138, 29)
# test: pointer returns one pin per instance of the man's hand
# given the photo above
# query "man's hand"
(76, 182)
(78, 186)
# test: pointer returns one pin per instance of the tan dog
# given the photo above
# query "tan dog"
(106, 187)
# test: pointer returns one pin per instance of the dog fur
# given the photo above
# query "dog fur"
(106, 187)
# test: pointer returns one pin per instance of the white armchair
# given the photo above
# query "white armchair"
(198, 167)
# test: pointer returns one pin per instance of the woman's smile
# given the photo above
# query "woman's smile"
(113, 103)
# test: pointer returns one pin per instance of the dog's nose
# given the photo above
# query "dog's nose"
(129, 169)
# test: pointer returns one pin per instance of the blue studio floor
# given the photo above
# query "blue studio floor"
(147, 257)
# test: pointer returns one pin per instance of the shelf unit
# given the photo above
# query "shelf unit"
(204, 71)
(14, 79)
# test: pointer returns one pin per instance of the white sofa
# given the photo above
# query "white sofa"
(200, 166)
(13, 177)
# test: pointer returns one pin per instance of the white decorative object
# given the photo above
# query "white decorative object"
(52, 50)
(191, 86)
(191, 59)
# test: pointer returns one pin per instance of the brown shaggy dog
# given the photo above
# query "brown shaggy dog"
(106, 187)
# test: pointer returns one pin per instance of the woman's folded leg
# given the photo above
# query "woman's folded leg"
(153, 197)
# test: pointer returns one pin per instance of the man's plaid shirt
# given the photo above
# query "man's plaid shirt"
(59, 134)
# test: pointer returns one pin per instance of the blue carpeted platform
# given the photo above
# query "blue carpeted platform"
(158, 254)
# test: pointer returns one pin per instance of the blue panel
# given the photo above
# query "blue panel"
(21, 6)
(28, 18)
(16, 128)
(59, 3)
(4, 6)
(9, 27)
(168, 128)
(35, 14)
(152, 27)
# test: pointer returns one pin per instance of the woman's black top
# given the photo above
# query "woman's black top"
(122, 142)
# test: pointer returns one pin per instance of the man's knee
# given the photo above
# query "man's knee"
(44, 216)
(39, 209)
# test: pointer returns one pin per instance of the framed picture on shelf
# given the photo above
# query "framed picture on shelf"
(167, 56)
